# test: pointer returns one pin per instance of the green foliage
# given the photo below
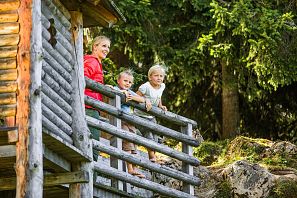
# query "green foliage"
(284, 189)
(257, 38)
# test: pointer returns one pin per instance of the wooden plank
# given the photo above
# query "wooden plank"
(7, 63)
(7, 98)
(81, 134)
(117, 143)
(63, 148)
(7, 110)
(62, 8)
(49, 180)
(50, 126)
(55, 108)
(138, 121)
(54, 162)
(8, 52)
(146, 163)
(9, 5)
(56, 87)
(8, 74)
(9, 16)
(142, 183)
(165, 115)
(57, 13)
(8, 86)
(10, 28)
(8, 135)
(187, 168)
(7, 151)
(139, 140)
(110, 189)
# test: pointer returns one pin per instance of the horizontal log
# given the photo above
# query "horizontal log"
(8, 135)
(7, 110)
(142, 183)
(56, 120)
(8, 52)
(54, 161)
(7, 151)
(62, 29)
(9, 28)
(56, 87)
(7, 63)
(101, 185)
(46, 123)
(8, 86)
(135, 120)
(58, 67)
(50, 180)
(51, 72)
(165, 115)
(55, 108)
(61, 41)
(7, 98)
(146, 163)
(9, 5)
(57, 56)
(8, 74)
(56, 98)
(139, 140)
(9, 39)
(10, 16)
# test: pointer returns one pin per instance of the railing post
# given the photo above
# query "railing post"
(116, 142)
(188, 188)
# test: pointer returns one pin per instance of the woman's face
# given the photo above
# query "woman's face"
(101, 49)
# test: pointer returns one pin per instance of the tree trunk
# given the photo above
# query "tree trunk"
(230, 102)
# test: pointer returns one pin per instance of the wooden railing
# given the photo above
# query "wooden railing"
(184, 136)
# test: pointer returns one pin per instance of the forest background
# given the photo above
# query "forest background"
(231, 65)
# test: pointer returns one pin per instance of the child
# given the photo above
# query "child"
(152, 92)
(125, 81)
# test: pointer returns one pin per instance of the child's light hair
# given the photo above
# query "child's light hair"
(98, 40)
(128, 72)
(155, 68)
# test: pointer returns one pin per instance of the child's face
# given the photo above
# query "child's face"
(125, 81)
(156, 78)
(101, 49)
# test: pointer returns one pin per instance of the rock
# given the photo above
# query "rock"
(248, 180)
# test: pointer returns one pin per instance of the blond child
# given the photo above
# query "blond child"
(125, 81)
(152, 92)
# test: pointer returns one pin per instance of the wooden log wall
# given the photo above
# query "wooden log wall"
(9, 39)
(57, 67)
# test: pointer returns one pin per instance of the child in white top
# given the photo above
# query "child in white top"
(152, 91)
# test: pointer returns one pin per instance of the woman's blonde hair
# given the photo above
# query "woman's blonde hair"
(98, 40)
(154, 68)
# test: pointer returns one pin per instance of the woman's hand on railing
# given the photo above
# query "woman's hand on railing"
(164, 108)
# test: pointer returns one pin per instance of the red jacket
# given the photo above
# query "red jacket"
(93, 70)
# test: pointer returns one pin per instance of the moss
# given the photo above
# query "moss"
(208, 152)
(224, 190)
(284, 189)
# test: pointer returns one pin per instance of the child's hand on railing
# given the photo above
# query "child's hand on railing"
(164, 108)
(110, 86)
(148, 104)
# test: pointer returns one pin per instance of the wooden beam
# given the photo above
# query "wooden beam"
(139, 140)
(7, 63)
(8, 74)
(146, 163)
(81, 133)
(54, 161)
(165, 115)
(138, 121)
(142, 183)
(7, 110)
(8, 135)
(8, 86)
(49, 180)
(9, 16)
(10, 28)
(7, 151)
(9, 5)
(7, 98)
(8, 52)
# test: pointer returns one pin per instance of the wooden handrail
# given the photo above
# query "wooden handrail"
(156, 128)
(166, 115)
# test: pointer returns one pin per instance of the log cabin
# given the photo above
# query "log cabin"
(45, 144)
